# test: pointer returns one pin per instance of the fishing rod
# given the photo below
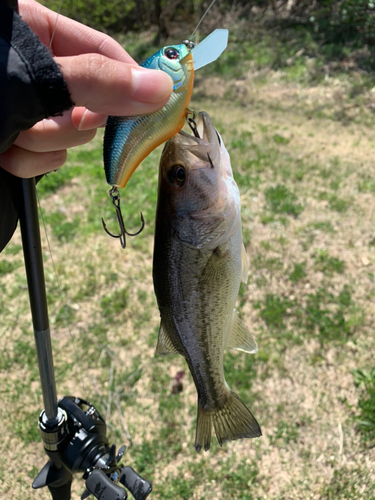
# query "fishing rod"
(73, 432)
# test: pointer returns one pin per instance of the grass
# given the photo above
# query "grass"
(349, 485)
(299, 272)
(293, 56)
(114, 304)
(322, 315)
(365, 380)
(7, 267)
(336, 203)
(307, 215)
(328, 264)
(280, 200)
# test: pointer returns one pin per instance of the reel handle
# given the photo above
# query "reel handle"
(139, 487)
(103, 488)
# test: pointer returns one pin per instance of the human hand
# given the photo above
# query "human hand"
(102, 80)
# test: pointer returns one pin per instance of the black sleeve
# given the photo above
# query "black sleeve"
(31, 84)
(31, 88)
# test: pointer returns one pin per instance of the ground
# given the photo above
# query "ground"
(307, 183)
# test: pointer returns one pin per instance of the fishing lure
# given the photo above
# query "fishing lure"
(128, 140)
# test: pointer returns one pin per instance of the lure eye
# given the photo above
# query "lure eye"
(171, 53)
(177, 175)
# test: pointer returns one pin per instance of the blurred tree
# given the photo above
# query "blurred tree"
(332, 21)
(345, 21)
(107, 16)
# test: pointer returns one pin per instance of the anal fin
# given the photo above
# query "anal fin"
(240, 337)
(164, 345)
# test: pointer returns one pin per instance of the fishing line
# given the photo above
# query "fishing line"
(82, 364)
(54, 27)
(79, 361)
(201, 19)
(59, 288)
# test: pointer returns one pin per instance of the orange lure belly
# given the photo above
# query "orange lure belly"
(129, 140)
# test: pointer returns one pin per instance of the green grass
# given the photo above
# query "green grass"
(367, 186)
(145, 458)
(274, 310)
(279, 139)
(349, 485)
(268, 263)
(284, 434)
(26, 428)
(324, 315)
(336, 203)
(65, 315)
(282, 201)
(57, 179)
(298, 272)
(12, 249)
(115, 303)
(328, 264)
(325, 226)
(7, 267)
(240, 372)
(305, 302)
(365, 381)
(63, 229)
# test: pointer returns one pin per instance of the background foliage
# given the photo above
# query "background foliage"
(338, 29)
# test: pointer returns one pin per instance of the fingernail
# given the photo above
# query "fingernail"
(91, 120)
(151, 86)
(81, 125)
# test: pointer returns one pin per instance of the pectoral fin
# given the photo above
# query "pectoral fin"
(240, 337)
(245, 264)
(164, 345)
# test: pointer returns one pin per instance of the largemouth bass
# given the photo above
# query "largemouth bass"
(199, 261)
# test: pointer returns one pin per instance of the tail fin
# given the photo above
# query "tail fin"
(232, 421)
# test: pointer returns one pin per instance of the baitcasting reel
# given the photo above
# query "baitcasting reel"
(77, 442)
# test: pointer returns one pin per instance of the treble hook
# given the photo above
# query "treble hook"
(115, 196)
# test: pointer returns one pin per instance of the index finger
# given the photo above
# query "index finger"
(69, 37)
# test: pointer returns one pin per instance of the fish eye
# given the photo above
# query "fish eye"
(177, 175)
(171, 53)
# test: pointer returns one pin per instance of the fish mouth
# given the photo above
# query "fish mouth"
(203, 128)
(199, 149)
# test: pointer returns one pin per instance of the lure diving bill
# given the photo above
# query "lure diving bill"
(128, 140)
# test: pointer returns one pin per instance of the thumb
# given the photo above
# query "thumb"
(111, 87)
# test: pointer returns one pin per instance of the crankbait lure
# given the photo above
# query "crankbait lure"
(128, 140)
